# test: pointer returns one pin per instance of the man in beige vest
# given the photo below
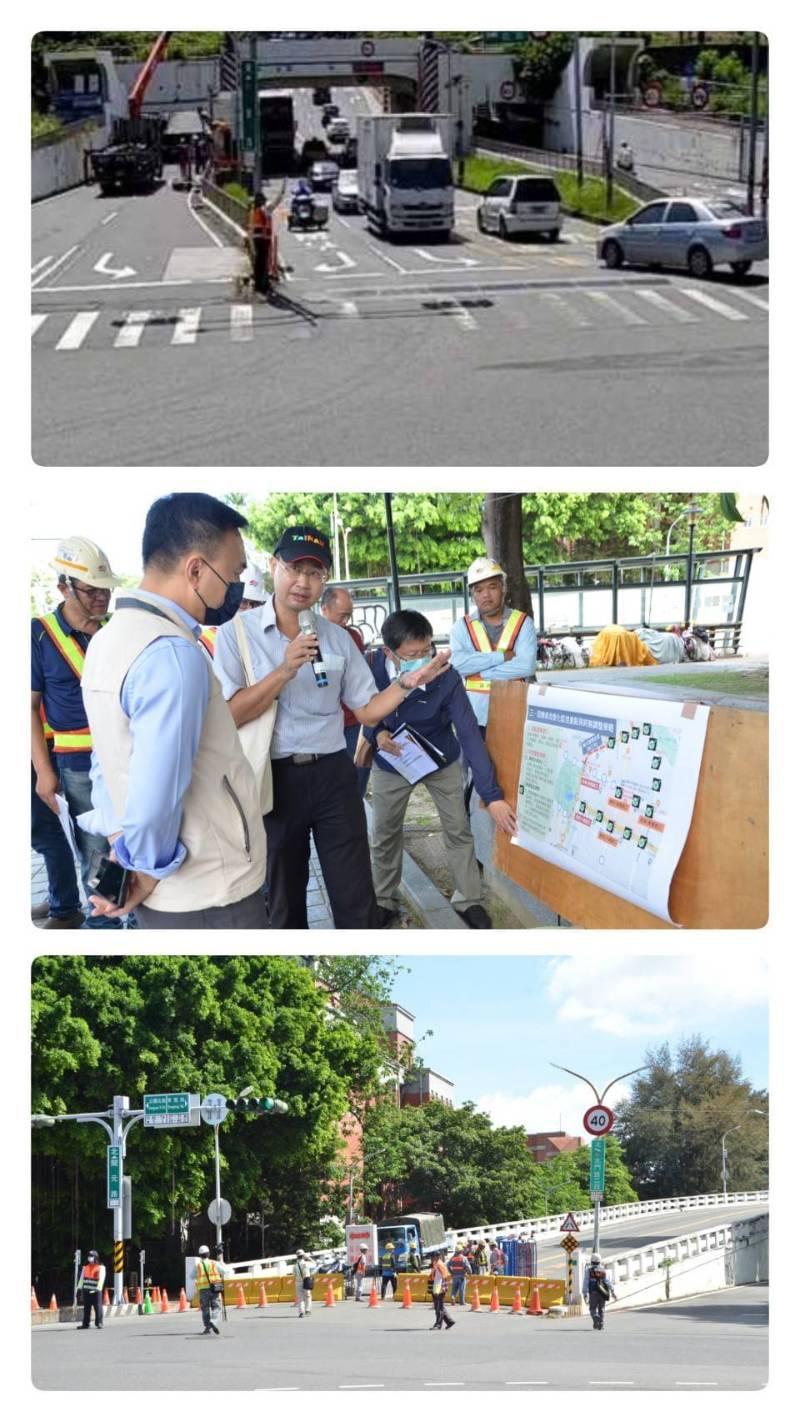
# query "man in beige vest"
(170, 783)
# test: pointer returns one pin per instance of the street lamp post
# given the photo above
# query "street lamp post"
(599, 1098)
(752, 1112)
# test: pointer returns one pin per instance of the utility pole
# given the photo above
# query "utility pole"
(610, 129)
(751, 157)
(337, 567)
(578, 110)
(257, 134)
(394, 581)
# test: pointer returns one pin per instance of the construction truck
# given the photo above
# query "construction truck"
(132, 161)
(424, 1231)
(405, 177)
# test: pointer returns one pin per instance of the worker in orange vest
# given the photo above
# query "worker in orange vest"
(91, 1284)
(261, 243)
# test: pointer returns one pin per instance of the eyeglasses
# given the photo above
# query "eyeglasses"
(314, 575)
(89, 591)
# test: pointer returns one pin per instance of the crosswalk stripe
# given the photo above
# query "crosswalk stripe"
(668, 307)
(703, 298)
(609, 303)
(185, 333)
(561, 307)
(753, 299)
(77, 330)
(348, 308)
(38, 321)
(463, 318)
(133, 330)
(241, 323)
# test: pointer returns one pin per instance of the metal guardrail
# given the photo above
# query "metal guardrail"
(568, 162)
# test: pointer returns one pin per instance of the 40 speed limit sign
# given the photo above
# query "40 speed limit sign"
(598, 1121)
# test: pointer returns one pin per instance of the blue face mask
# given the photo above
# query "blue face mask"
(414, 665)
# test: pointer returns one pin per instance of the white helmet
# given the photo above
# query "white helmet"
(484, 568)
(595, 1259)
(81, 558)
(363, 1248)
(300, 1254)
(203, 1249)
(253, 579)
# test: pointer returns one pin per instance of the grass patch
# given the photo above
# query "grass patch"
(588, 201)
(235, 190)
(44, 125)
(730, 683)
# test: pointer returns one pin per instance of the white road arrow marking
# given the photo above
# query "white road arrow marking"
(344, 261)
(115, 272)
(449, 261)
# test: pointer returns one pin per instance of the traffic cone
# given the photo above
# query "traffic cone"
(535, 1304)
(34, 1300)
(516, 1307)
(139, 1300)
(329, 1303)
(373, 1298)
(156, 1294)
(125, 1298)
(407, 1295)
(494, 1306)
(262, 1295)
(475, 1306)
(53, 1304)
(164, 1301)
(240, 1297)
(183, 1302)
(148, 1305)
(106, 1299)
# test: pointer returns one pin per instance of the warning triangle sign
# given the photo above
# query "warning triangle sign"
(569, 1225)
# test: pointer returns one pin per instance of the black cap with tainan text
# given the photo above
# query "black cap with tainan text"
(304, 542)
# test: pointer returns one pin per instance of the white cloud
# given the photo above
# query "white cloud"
(557, 1106)
(637, 997)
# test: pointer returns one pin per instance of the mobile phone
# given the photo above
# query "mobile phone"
(110, 881)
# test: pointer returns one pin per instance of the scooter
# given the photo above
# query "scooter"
(307, 216)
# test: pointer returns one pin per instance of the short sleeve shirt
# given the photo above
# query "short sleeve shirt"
(57, 683)
(309, 719)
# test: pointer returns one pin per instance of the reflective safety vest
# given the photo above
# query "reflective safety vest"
(49, 733)
(207, 1273)
(458, 1265)
(479, 638)
(79, 739)
(387, 1261)
(208, 637)
(90, 1280)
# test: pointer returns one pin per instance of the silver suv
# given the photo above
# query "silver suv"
(515, 203)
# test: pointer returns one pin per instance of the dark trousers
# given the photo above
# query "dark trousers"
(49, 840)
(442, 1316)
(246, 913)
(362, 771)
(261, 264)
(320, 798)
(386, 1281)
(92, 1303)
(597, 1307)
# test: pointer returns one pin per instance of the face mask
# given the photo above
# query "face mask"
(414, 665)
(234, 592)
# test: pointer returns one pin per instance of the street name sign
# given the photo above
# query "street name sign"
(569, 1225)
(113, 1176)
(172, 1108)
(249, 104)
(597, 1166)
(598, 1121)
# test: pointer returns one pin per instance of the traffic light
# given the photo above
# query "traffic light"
(271, 1106)
(257, 1106)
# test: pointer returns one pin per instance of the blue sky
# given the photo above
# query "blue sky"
(499, 1021)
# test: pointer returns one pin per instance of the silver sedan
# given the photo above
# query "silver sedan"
(698, 233)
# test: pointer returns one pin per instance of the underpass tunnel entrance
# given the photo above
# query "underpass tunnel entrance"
(606, 72)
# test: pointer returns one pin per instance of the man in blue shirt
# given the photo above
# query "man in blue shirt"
(441, 713)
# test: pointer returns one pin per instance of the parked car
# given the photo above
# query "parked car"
(345, 191)
(698, 233)
(515, 204)
(329, 111)
(338, 131)
(323, 175)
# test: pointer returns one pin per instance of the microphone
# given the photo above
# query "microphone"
(308, 626)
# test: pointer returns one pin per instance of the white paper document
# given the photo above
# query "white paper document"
(414, 763)
(67, 825)
(607, 788)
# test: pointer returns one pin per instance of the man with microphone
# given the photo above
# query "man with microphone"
(310, 666)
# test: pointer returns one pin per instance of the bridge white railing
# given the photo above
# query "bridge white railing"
(714, 1258)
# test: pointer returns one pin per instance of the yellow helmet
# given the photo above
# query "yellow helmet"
(79, 557)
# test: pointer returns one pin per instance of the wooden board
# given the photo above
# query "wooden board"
(722, 876)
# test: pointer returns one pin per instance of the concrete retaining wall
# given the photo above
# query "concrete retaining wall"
(711, 1259)
(57, 161)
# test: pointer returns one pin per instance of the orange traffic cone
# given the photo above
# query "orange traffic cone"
(139, 1300)
(240, 1297)
(535, 1303)
(34, 1300)
(329, 1302)
(475, 1306)
(53, 1305)
(516, 1307)
(106, 1299)
(262, 1295)
(155, 1295)
(183, 1302)
(373, 1297)
(494, 1306)
(164, 1301)
(407, 1295)
(125, 1298)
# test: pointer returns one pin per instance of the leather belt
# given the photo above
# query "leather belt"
(298, 759)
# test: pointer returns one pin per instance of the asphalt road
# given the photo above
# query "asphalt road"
(474, 352)
(717, 1341)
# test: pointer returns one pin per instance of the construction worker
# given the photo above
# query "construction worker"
(496, 643)
(360, 1271)
(91, 1283)
(413, 1262)
(303, 1282)
(460, 1267)
(480, 1263)
(388, 1271)
(59, 642)
(209, 1284)
(598, 1288)
(261, 243)
(497, 1258)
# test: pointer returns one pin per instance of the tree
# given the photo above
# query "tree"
(671, 1127)
(106, 1026)
(563, 1182)
(502, 534)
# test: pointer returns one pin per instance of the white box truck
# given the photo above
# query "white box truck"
(405, 177)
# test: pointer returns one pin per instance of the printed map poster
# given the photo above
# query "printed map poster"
(607, 787)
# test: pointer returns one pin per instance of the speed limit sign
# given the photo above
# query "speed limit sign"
(598, 1121)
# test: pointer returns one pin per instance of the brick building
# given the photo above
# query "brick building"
(545, 1145)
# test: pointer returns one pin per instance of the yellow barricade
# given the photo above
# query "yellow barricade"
(551, 1291)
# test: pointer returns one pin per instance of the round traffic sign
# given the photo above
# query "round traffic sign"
(699, 96)
(367, 49)
(224, 1212)
(598, 1121)
(652, 94)
(213, 1108)
(508, 89)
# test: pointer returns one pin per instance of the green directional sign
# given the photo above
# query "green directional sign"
(597, 1165)
(170, 1108)
(249, 104)
(113, 1176)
